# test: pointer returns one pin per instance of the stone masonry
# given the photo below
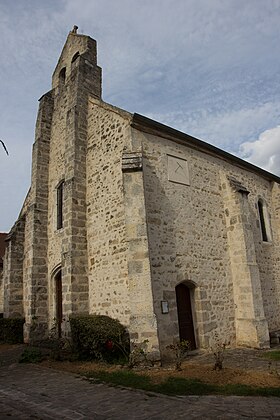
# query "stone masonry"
(128, 213)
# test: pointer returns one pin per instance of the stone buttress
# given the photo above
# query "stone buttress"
(35, 268)
(250, 322)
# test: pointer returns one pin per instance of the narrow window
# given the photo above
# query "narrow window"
(266, 235)
(62, 75)
(59, 204)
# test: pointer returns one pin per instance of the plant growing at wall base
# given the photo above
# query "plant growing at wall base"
(179, 350)
(218, 349)
(98, 337)
(138, 354)
(31, 355)
(61, 347)
(11, 330)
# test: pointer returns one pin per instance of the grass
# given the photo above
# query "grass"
(177, 386)
(272, 355)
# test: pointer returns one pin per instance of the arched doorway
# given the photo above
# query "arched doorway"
(185, 318)
(58, 299)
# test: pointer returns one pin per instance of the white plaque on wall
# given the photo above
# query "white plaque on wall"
(178, 170)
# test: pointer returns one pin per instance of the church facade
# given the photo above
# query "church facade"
(126, 217)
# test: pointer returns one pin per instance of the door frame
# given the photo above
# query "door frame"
(58, 300)
(191, 290)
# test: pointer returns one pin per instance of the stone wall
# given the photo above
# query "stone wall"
(118, 257)
(142, 213)
(13, 271)
(188, 240)
(108, 132)
(35, 268)
(250, 323)
(59, 154)
(68, 146)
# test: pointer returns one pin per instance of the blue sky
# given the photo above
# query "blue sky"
(210, 68)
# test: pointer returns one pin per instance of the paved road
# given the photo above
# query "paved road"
(34, 392)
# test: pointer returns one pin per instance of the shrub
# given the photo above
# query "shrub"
(138, 355)
(31, 355)
(11, 330)
(179, 350)
(98, 337)
(218, 349)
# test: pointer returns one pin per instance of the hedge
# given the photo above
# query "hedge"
(11, 330)
(98, 337)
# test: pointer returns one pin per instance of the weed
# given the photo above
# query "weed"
(218, 349)
(273, 368)
(138, 354)
(179, 350)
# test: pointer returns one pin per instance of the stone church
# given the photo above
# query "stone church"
(130, 218)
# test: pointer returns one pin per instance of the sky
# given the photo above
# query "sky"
(210, 68)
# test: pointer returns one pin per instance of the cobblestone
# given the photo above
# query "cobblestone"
(34, 392)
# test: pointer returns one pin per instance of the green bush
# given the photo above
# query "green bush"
(99, 337)
(31, 355)
(11, 330)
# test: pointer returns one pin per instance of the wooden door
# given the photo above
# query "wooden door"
(185, 319)
(58, 283)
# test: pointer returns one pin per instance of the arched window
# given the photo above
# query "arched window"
(62, 75)
(264, 221)
(75, 56)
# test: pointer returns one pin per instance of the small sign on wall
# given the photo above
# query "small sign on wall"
(178, 170)
(164, 307)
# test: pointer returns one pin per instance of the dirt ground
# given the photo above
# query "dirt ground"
(241, 366)
(192, 370)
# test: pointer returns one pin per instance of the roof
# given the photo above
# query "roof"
(150, 126)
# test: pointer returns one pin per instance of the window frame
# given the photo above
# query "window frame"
(264, 221)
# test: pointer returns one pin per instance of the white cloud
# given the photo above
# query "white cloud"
(225, 128)
(208, 68)
(264, 152)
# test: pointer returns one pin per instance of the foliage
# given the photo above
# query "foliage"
(273, 365)
(219, 355)
(61, 348)
(98, 337)
(177, 386)
(31, 355)
(11, 330)
(272, 355)
(138, 354)
(126, 378)
(218, 349)
(179, 350)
